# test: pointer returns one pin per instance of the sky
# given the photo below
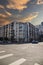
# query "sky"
(21, 11)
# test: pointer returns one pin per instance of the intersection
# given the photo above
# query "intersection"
(21, 54)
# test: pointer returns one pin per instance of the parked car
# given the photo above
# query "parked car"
(9, 42)
(1, 42)
(34, 41)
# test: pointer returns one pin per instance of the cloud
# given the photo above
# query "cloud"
(1, 6)
(4, 18)
(39, 2)
(18, 4)
(7, 17)
(4, 3)
(4, 22)
(8, 13)
(28, 18)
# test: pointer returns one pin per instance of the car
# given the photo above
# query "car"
(34, 41)
(1, 42)
(9, 42)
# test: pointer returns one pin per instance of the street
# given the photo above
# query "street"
(21, 54)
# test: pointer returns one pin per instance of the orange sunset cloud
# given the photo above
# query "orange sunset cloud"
(18, 4)
(28, 18)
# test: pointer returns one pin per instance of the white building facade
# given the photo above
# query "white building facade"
(19, 32)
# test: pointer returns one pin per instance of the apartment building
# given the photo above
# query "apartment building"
(32, 32)
(11, 31)
(1, 31)
(19, 32)
(36, 34)
(40, 27)
(7, 31)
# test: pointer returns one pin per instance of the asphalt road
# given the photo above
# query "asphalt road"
(21, 54)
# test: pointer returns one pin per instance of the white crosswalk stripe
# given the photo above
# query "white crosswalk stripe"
(2, 51)
(5, 56)
(36, 64)
(18, 62)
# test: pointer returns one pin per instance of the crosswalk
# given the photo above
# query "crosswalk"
(5, 56)
(36, 64)
(2, 51)
(17, 62)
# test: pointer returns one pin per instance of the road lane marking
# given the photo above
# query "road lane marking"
(36, 64)
(18, 62)
(2, 51)
(5, 56)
